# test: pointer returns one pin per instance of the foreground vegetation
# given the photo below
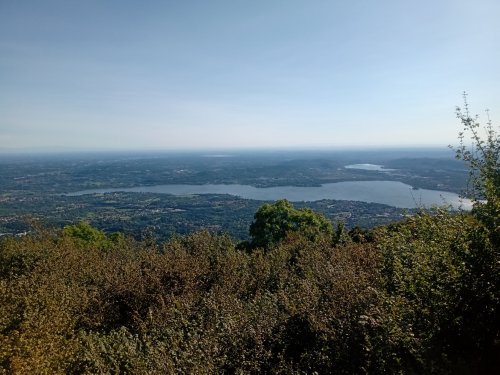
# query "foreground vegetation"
(417, 296)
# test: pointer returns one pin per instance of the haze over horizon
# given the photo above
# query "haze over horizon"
(166, 75)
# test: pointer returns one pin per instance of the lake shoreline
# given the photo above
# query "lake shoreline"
(392, 193)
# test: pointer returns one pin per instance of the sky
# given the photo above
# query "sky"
(231, 74)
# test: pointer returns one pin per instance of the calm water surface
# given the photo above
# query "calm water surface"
(392, 193)
(369, 167)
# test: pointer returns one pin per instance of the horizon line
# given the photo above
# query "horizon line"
(212, 150)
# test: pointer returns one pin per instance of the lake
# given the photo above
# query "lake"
(392, 193)
(368, 167)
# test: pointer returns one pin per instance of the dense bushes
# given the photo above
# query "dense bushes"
(194, 305)
(421, 296)
(441, 283)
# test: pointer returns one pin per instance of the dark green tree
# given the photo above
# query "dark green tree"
(273, 222)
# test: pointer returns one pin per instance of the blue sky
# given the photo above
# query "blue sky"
(168, 75)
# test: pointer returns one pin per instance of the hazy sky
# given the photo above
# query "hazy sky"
(126, 74)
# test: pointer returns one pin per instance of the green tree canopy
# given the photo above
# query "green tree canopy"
(85, 235)
(273, 221)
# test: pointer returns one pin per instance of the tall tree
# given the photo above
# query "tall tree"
(273, 221)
